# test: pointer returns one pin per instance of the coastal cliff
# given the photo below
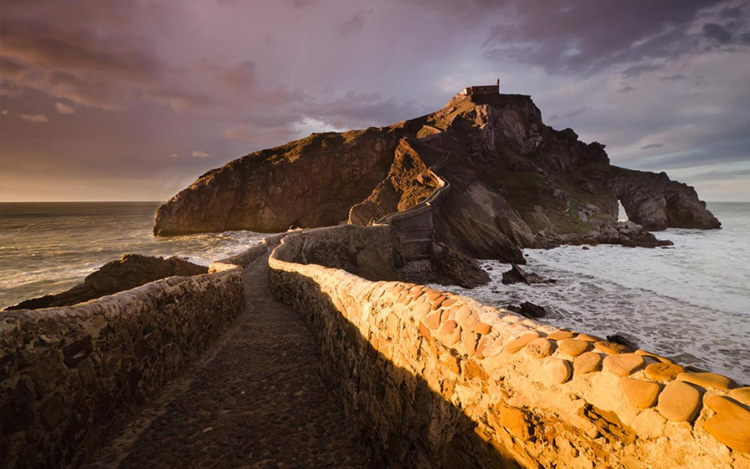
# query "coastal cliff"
(515, 183)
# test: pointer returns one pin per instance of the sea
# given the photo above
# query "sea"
(47, 248)
(689, 302)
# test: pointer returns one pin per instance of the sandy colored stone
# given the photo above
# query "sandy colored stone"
(421, 310)
(517, 344)
(469, 341)
(448, 327)
(679, 402)
(540, 348)
(730, 425)
(558, 370)
(706, 380)
(561, 335)
(588, 338)
(623, 364)
(741, 394)
(433, 295)
(449, 302)
(433, 319)
(611, 348)
(587, 362)
(574, 347)
(663, 372)
(482, 328)
(402, 296)
(437, 303)
(641, 393)
(654, 356)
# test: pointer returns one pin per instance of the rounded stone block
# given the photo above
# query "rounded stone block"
(433, 295)
(730, 425)
(558, 370)
(663, 372)
(706, 380)
(438, 302)
(741, 394)
(517, 344)
(421, 310)
(433, 319)
(588, 338)
(611, 348)
(574, 347)
(655, 357)
(679, 402)
(540, 348)
(623, 364)
(587, 362)
(561, 335)
(642, 394)
(449, 303)
(482, 328)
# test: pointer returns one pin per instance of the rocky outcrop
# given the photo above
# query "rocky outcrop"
(515, 183)
(309, 182)
(132, 270)
(656, 202)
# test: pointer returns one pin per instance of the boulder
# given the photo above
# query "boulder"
(529, 310)
(517, 275)
(130, 271)
(454, 268)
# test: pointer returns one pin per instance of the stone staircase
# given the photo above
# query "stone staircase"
(415, 225)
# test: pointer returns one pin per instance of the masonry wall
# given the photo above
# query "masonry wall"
(435, 379)
(70, 375)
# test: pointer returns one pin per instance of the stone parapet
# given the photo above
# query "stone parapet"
(70, 375)
(434, 379)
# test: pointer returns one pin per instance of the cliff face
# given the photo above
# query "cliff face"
(515, 183)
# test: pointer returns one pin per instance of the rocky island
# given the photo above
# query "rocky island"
(336, 351)
(514, 183)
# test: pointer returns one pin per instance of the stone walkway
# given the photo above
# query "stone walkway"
(254, 399)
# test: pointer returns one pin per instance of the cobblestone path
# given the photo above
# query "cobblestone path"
(254, 399)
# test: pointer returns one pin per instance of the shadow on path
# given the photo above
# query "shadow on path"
(255, 399)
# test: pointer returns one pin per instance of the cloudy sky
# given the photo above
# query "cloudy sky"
(133, 99)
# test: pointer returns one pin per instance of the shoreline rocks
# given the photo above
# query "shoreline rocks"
(130, 271)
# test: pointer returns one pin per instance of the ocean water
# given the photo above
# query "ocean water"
(690, 302)
(47, 248)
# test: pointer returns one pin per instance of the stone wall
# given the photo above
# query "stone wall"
(433, 379)
(70, 375)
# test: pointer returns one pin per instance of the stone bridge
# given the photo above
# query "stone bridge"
(271, 360)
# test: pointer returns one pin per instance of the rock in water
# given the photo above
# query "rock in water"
(514, 183)
(529, 310)
(517, 274)
(132, 270)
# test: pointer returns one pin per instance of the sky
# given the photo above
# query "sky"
(134, 99)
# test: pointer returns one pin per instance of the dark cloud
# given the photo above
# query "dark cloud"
(652, 145)
(626, 89)
(717, 32)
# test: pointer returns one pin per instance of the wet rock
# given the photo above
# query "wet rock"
(529, 310)
(622, 340)
(518, 275)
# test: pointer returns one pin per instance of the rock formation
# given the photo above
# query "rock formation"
(132, 270)
(514, 183)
